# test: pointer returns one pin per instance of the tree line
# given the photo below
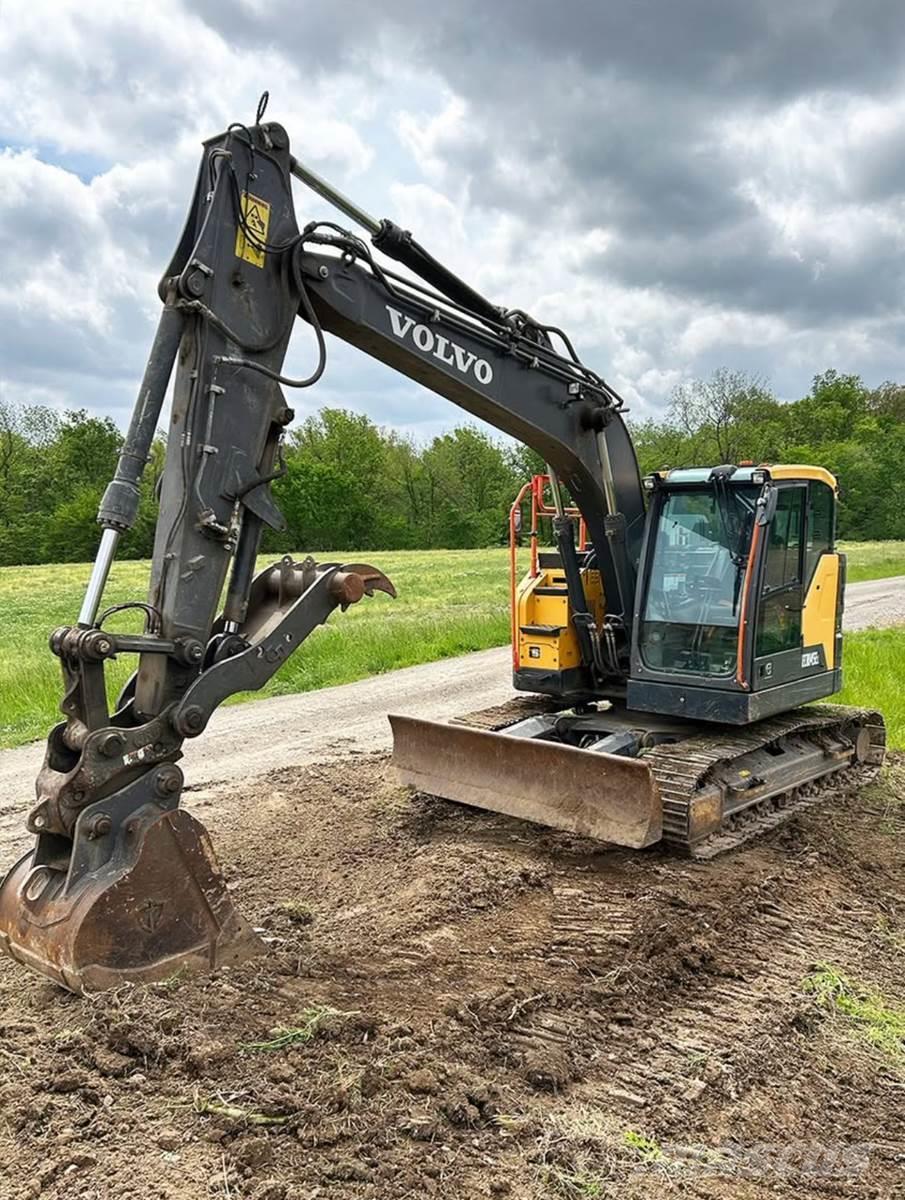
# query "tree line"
(350, 485)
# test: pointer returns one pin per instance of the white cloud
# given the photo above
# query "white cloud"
(665, 232)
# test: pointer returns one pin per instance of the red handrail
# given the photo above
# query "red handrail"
(513, 536)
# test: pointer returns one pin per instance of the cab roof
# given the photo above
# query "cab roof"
(751, 473)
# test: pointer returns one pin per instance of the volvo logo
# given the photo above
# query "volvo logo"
(435, 344)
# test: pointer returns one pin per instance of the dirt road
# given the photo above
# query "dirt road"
(876, 602)
(246, 740)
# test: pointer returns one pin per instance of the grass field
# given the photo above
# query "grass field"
(873, 560)
(450, 602)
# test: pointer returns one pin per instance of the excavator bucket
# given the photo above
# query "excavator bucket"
(601, 796)
(157, 906)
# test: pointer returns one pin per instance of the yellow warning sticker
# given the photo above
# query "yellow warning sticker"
(256, 213)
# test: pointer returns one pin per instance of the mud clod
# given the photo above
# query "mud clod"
(422, 1083)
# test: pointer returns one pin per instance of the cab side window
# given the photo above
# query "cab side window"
(779, 624)
(783, 565)
(820, 524)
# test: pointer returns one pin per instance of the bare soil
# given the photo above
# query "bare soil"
(512, 1012)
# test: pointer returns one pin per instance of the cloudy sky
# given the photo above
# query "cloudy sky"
(681, 184)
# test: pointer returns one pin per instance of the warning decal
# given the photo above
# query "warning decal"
(256, 213)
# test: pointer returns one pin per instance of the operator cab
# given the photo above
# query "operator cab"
(738, 608)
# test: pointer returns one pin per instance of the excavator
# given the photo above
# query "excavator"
(663, 660)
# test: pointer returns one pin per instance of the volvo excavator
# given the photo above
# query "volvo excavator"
(662, 661)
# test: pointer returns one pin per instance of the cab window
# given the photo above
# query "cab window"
(820, 524)
(779, 626)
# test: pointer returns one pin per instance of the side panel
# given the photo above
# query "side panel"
(546, 636)
(818, 620)
(726, 707)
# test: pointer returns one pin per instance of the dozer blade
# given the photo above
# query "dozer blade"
(158, 906)
(601, 796)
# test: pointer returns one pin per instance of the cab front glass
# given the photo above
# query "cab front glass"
(690, 621)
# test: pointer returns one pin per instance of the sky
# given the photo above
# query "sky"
(680, 184)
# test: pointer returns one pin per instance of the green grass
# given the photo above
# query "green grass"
(873, 669)
(873, 560)
(450, 602)
(644, 1147)
(871, 1015)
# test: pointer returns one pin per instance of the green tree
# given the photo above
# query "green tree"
(723, 419)
(336, 485)
(472, 486)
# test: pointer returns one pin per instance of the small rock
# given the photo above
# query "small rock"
(628, 1097)
(81, 1162)
(694, 1089)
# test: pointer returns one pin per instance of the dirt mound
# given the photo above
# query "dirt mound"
(460, 1005)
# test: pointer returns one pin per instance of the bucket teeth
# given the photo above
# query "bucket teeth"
(157, 907)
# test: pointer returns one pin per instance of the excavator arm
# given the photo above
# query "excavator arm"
(509, 376)
(121, 883)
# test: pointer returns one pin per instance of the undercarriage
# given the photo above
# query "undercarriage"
(635, 778)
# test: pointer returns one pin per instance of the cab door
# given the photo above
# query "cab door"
(777, 639)
(824, 579)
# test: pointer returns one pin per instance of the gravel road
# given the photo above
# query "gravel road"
(247, 740)
(876, 603)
